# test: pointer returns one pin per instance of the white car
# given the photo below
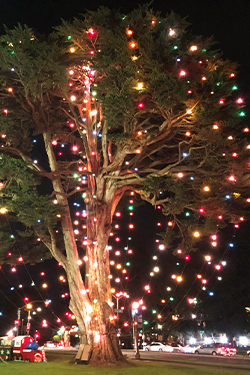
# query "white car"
(50, 344)
(158, 347)
(176, 347)
(189, 349)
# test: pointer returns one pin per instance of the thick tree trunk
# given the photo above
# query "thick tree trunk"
(90, 302)
(105, 343)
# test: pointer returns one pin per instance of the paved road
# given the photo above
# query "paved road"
(194, 358)
(179, 358)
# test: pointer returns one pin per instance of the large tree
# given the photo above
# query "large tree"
(139, 104)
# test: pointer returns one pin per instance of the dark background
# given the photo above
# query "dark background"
(226, 20)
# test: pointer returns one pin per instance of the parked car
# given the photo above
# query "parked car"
(248, 353)
(176, 347)
(158, 347)
(216, 349)
(189, 349)
(232, 351)
(50, 344)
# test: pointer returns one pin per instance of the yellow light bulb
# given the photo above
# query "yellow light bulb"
(196, 234)
(193, 48)
(133, 45)
(93, 113)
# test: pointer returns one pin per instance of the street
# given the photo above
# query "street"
(179, 358)
(198, 358)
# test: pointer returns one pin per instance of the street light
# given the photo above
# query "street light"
(135, 306)
(28, 308)
(117, 296)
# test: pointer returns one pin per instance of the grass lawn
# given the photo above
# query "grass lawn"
(64, 368)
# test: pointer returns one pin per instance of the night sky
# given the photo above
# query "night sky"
(228, 22)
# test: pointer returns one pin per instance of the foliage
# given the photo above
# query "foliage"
(40, 82)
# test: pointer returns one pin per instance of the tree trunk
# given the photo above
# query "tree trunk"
(90, 302)
(105, 343)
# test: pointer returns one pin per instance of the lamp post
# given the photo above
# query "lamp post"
(117, 296)
(116, 310)
(28, 307)
(135, 306)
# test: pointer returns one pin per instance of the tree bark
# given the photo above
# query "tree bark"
(105, 343)
(90, 302)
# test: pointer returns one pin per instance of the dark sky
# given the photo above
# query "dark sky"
(226, 20)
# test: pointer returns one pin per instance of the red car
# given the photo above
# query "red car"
(248, 353)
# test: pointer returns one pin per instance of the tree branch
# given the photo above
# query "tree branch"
(26, 158)
(56, 253)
